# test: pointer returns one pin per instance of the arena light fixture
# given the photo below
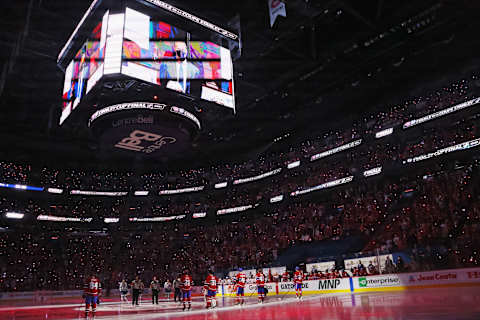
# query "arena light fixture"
(141, 193)
(111, 220)
(14, 215)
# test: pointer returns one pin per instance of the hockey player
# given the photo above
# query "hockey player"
(260, 285)
(298, 280)
(123, 288)
(240, 281)
(91, 292)
(186, 287)
(211, 290)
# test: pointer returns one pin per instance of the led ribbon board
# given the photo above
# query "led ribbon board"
(441, 113)
(323, 186)
(62, 219)
(20, 187)
(372, 172)
(293, 164)
(220, 185)
(194, 18)
(276, 199)
(158, 219)
(458, 147)
(185, 190)
(261, 176)
(384, 133)
(98, 193)
(231, 210)
(199, 215)
(144, 106)
(336, 150)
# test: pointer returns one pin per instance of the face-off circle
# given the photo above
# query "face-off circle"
(150, 129)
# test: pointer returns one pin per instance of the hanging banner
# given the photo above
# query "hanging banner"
(276, 8)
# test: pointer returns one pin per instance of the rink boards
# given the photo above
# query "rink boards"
(388, 282)
(418, 280)
(278, 288)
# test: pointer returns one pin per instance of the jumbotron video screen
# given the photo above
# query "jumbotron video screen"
(163, 51)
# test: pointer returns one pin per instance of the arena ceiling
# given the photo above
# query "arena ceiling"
(326, 62)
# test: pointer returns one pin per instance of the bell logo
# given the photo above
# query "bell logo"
(362, 282)
(276, 3)
(134, 141)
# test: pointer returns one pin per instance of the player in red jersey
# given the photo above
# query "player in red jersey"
(241, 280)
(91, 292)
(298, 280)
(211, 289)
(186, 286)
(260, 285)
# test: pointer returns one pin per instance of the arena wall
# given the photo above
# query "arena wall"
(388, 282)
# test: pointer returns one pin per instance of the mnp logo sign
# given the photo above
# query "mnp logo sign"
(142, 141)
(362, 282)
(328, 284)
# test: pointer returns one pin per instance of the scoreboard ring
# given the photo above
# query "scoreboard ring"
(148, 128)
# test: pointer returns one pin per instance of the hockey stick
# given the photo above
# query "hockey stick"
(83, 305)
(240, 299)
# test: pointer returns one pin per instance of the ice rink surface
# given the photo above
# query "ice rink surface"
(425, 304)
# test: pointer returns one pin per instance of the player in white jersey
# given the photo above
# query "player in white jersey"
(123, 288)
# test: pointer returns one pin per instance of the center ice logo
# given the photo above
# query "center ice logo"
(362, 282)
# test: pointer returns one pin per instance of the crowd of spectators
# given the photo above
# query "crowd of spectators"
(440, 223)
(443, 216)
(434, 216)
(371, 155)
(348, 163)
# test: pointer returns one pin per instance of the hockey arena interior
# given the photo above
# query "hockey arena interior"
(255, 159)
